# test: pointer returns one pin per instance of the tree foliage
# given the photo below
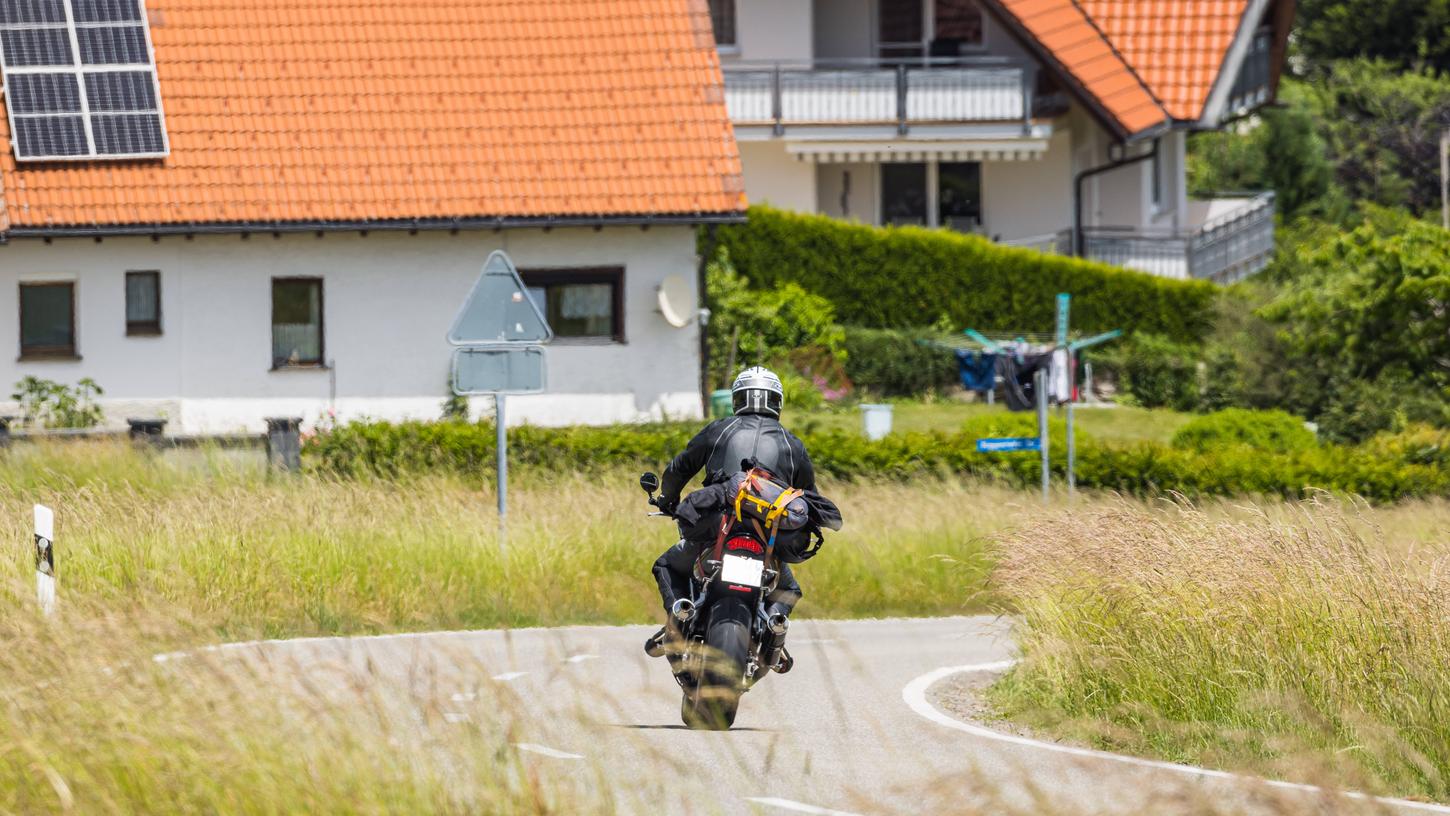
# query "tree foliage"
(1404, 33)
(1382, 128)
(1364, 323)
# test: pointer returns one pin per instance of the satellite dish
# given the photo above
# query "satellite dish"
(676, 301)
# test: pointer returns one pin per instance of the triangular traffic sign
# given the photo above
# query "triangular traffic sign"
(499, 309)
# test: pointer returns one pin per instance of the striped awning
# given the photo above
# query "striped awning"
(879, 152)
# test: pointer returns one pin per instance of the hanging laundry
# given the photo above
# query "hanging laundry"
(1017, 370)
(1059, 377)
(977, 369)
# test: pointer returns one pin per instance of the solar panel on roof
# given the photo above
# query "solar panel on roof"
(80, 81)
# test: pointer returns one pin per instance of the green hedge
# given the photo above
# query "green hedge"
(907, 276)
(1391, 468)
(1274, 431)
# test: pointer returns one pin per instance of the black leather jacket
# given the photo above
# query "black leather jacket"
(725, 443)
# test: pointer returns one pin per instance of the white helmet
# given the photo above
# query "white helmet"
(757, 391)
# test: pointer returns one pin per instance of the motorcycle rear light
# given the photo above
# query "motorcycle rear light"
(745, 543)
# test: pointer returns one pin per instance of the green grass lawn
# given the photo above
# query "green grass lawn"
(1113, 424)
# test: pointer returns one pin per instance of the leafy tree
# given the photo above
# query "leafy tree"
(1404, 33)
(1281, 150)
(1365, 325)
(1382, 128)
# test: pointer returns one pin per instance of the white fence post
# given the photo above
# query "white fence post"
(45, 557)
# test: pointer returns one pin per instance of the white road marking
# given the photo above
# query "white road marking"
(456, 717)
(798, 807)
(464, 697)
(507, 676)
(580, 658)
(914, 694)
(544, 750)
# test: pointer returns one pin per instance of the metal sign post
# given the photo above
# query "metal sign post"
(1040, 386)
(500, 333)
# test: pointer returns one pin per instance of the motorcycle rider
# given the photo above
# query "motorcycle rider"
(753, 434)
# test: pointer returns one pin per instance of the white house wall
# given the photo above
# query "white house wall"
(850, 191)
(774, 177)
(388, 299)
(1026, 199)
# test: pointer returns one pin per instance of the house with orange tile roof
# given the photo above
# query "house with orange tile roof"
(1054, 124)
(226, 210)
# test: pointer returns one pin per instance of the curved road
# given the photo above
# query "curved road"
(853, 729)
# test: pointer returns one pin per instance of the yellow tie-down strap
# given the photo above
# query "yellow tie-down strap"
(772, 511)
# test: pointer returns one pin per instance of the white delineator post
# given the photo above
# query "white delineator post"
(45, 557)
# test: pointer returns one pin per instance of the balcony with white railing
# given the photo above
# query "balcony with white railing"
(1231, 239)
(899, 93)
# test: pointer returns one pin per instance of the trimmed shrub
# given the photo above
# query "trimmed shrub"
(1154, 370)
(902, 277)
(894, 363)
(1385, 471)
(1274, 431)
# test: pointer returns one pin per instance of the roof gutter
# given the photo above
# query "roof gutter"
(370, 225)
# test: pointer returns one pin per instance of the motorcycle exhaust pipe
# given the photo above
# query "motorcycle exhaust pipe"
(683, 610)
(775, 629)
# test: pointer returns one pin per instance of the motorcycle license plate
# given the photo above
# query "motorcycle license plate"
(741, 571)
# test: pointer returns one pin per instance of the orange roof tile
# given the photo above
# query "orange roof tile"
(1177, 47)
(361, 110)
(1069, 36)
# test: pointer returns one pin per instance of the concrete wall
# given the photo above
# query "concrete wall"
(774, 177)
(388, 301)
(771, 30)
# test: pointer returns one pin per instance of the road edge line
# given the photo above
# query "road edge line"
(914, 694)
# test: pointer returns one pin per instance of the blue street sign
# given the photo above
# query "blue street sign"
(1022, 443)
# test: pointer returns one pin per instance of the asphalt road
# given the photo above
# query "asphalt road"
(855, 728)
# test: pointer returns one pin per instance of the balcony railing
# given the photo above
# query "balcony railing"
(898, 92)
(1251, 87)
(1225, 249)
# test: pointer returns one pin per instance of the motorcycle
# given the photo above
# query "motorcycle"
(727, 639)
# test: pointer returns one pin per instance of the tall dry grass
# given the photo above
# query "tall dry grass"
(255, 556)
(1290, 641)
(90, 723)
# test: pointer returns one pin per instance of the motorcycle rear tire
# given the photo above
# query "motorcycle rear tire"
(717, 699)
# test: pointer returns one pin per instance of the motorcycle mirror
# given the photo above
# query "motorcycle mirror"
(649, 483)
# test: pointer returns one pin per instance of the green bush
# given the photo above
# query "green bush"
(48, 404)
(1415, 445)
(1382, 471)
(1273, 431)
(896, 363)
(1154, 370)
(786, 327)
(911, 277)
